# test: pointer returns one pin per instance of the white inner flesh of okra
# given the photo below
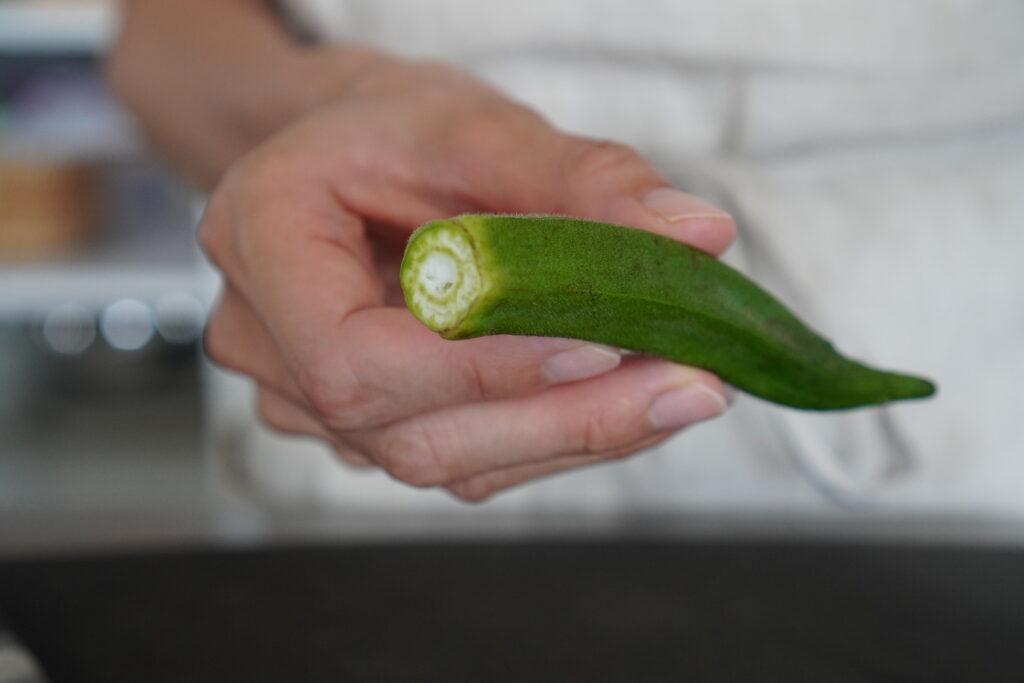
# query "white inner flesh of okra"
(441, 279)
(439, 274)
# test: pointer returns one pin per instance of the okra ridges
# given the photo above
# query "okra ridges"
(553, 276)
(440, 276)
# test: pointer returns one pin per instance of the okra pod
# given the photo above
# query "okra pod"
(552, 276)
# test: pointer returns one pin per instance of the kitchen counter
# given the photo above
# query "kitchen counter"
(539, 611)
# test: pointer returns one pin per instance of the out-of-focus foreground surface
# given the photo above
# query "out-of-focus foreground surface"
(538, 611)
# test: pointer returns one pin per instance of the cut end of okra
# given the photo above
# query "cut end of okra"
(440, 275)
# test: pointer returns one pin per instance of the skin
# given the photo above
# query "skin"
(321, 161)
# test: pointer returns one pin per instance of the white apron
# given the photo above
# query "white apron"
(873, 155)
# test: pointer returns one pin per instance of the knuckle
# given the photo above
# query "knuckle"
(264, 172)
(242, 189)
(390, 75)
(605, 430)
(413, 458)
(335, 394)
(480, 128)
(474, 378)
(432, 70)
(479, 132)
(599, 157)
(491, 123)
(255, 176)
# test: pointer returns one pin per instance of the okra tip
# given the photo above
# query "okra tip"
(909, 386)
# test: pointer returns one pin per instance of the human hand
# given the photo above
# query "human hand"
(308, 230)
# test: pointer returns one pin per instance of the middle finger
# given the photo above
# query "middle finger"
(643, 397)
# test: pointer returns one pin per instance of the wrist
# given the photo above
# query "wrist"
(299, 79)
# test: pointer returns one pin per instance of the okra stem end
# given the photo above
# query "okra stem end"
(440, 276)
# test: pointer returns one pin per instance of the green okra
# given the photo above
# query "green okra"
(478, 275)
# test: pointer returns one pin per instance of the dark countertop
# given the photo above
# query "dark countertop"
(543, 611)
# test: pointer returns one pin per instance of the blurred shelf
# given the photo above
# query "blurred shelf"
(28, 291)
(53, 104)
(64, 27)
(100, 143)
(97, 276)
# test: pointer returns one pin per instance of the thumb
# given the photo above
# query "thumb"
(608, 181)
(612, 182)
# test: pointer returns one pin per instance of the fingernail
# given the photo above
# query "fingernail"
(680, 407)
(580, 363)
(674, 206)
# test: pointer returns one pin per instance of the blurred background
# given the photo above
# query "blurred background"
(107, 405)
(101, 299)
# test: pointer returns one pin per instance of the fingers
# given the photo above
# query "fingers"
(642, 398)
(481, 486)
(681, 216)
(388, 367)
(292, 250)
(236, 339)
(611, 182)
(282, 415)
(303, 315)
(543, 171)
(305, 310)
